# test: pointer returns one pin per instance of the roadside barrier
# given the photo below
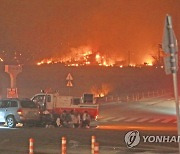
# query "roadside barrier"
(31, 146)
(93, 140)
(63, 145)
(133, 97)
(96, 148)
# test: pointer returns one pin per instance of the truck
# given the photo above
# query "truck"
(55, 104)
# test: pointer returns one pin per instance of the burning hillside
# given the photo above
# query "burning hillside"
(85, 56)
(81, 57)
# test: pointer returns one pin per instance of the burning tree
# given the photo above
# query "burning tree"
(101, 90)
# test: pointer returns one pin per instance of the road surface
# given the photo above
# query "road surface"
(155, 117)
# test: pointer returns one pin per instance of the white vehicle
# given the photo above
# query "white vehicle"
(55, 104)
(13, 111)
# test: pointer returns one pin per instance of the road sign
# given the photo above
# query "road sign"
(167, 63)
(169, 43)
(13, 71)
(69, 77)
(69, 84)
(170, 47)
(12, 93)
(13, 68)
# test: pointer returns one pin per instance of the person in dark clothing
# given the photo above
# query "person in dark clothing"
(86, 120)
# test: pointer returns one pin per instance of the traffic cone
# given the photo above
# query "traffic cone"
(63, 145)
(31, 146)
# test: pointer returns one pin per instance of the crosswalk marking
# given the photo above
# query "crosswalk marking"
(138, 120)
(154, 120)
(143, 119)
(131, 119)
(119, 119)
(106, 119)
(109, 118)
(166, 120)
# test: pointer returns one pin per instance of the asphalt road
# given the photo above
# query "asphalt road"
(155, 117)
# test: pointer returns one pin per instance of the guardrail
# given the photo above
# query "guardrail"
(133, 97)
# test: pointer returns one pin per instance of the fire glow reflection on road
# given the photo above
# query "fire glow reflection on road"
(128, 127)
(3, 127)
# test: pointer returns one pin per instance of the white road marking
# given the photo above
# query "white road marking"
(108, 118)
(131, 119)
(143, 119)
(119, 119)
(154, 120)
(166, 120)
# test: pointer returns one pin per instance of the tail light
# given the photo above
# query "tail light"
(20, 111)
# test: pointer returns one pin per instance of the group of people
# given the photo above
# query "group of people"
(74, 119)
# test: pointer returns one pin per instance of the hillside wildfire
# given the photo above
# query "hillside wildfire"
(85, 56)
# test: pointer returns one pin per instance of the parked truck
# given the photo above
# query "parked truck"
(55, 104)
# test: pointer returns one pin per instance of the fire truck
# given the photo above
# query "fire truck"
(55, 104)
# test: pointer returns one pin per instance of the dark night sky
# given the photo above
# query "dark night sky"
(49, 28)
